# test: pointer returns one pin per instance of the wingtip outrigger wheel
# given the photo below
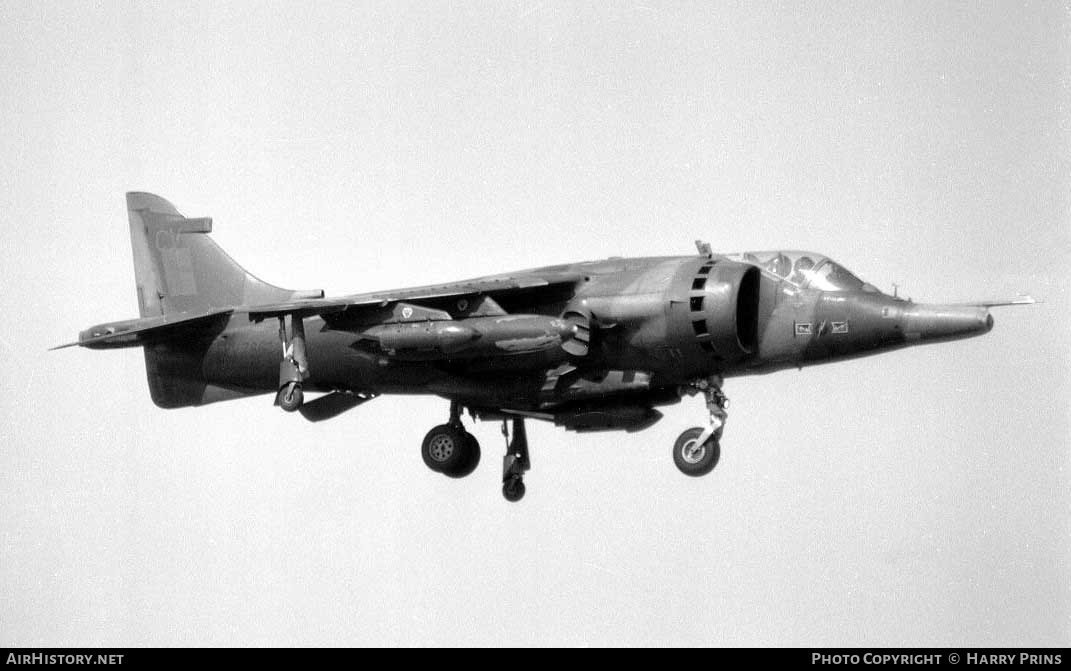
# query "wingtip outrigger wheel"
(294, 367)
(516, 461)
(290, 397)
(513, 489)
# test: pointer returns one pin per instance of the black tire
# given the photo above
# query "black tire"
(696, 460)
(471, 459)
(444, 448)
(291, 397)
(513, 489)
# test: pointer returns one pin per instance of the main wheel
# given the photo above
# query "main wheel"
(291, 397)
(694, 459)
(513, 489)
(444, 448)
(470, 460)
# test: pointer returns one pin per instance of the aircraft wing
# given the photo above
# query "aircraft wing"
(136, 332)
(496, 287)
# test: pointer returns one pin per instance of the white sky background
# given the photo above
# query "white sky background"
(919, 497)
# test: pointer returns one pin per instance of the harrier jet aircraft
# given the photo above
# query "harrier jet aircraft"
(594, 346)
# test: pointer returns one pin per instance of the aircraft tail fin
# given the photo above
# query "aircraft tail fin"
(179, 268)
(186, 284)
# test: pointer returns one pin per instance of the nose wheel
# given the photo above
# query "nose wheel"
(694, 457)
(697, 451)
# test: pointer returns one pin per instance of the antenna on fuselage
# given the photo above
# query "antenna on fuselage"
(704, 248)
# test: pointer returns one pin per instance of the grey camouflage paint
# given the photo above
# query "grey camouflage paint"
(628, 333)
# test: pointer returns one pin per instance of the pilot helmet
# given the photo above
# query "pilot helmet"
(779, 265)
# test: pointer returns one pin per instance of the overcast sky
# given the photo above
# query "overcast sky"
(921, 497)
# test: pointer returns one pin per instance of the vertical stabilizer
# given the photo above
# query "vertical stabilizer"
(179, 268)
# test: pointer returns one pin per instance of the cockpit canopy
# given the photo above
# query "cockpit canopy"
(805, 270)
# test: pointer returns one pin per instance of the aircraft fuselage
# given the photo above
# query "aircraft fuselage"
(590, 346)
(646, 329)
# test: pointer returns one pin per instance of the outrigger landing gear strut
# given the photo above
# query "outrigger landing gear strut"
(516, 461)
(294, 367)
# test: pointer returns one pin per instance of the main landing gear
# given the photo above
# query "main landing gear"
(697, 450)
(450, 449)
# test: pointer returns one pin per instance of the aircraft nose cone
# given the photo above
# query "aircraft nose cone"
(946, 322)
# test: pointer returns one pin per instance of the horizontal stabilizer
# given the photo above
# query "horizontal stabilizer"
(135, 332)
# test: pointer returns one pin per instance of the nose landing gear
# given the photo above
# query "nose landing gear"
(697, 450)
(694, 456)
